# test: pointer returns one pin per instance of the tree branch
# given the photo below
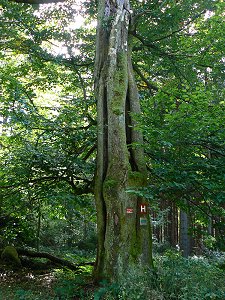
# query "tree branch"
(33, 181)
(90, 151)
(182, 28)
(149, 85)
(154, 87)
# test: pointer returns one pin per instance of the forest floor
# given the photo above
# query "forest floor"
(25, 283)
(176, 278)
(45, 283)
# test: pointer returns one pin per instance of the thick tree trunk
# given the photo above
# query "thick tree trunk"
(122, 239)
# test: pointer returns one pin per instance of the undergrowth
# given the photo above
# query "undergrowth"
(174, 278)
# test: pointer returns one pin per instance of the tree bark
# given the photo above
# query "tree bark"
(173, 225)
(184, 237)
(122, 240)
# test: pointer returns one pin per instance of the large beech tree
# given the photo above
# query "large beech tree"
(120, 165)
(122, 238)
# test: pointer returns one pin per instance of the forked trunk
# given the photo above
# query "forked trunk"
(124, 231)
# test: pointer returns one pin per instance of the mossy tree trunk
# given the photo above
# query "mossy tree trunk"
(122, 241)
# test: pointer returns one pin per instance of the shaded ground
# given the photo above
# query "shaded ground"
(43, 281)
(22, 284)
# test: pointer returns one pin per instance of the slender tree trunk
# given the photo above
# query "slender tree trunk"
(184, 237)
(38, 227)
(173, 225)
(122, 240)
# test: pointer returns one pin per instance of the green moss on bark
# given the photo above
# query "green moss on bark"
(136, 179)
(120, 83)
(110, 183)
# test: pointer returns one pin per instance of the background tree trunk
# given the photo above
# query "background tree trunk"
(173, 225)
(120, 165)
(184, 236)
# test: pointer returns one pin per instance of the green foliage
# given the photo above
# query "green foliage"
(70, 285)
(174, 277)
(47, 141)
(193, 278)
(25, 295)
(179, 60)
(21, 294)
(106, 291)
(185, 146)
